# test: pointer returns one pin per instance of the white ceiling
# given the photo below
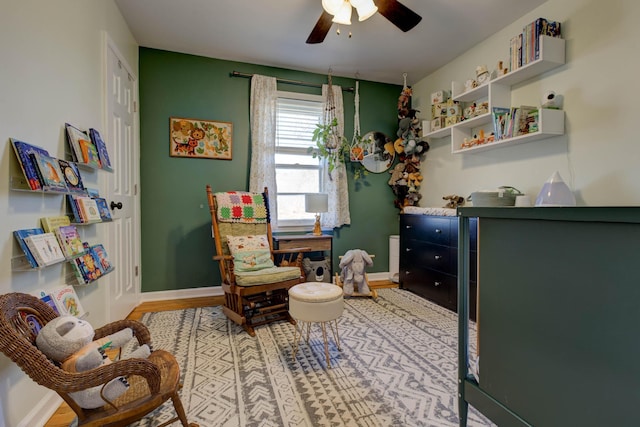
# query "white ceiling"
(273, 33)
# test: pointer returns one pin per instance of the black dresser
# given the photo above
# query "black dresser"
(429, 259)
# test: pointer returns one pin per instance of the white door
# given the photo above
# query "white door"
(123, 235)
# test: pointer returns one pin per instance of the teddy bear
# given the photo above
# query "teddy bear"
(453, 201)
(396, 174)
(352, 274)
(69, 341)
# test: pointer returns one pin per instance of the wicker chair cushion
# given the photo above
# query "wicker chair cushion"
(250, 253)
(266, 276)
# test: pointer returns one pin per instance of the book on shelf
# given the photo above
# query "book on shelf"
(86, 268)
(49, 301)
(88, 209)
(93, 192)
(20, 236)
(29, 168)
(45, 248)
(72, 176)
(527, 120)
(89, 152)
(69, 240)
(75, 210)
(50, 223)
(67, 301)
(49, 172)
(74, 136)
(500, 120)
(100, 255)
(103, 208)
(103, 154)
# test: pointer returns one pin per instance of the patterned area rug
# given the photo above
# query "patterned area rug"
(397, 367)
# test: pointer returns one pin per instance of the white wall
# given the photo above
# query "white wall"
(598, 155)
(51, 73)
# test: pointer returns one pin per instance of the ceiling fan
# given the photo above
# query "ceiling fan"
(399, 15)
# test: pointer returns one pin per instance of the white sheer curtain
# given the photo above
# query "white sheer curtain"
(262, 171)
(336, 187)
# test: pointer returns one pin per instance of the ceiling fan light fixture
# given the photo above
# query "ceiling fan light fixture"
(344, 14)
(366, 9)
(332, 6)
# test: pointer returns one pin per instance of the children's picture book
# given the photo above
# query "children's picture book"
(89, 153)
(45, 248)
(89, 209)
(103, 208)
(105, 162)
(46, 298)
(102, 260)
(93, 192)
(77, 273)
(30, 170)
(88, 267)
(74, 136)
(69, 240)
(50, 223)
(67, 301)
(75, 210)
(20, 236)
(72, 177)
(49, 172)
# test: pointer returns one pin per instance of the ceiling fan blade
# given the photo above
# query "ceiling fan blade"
(321, 29)
(400, 15)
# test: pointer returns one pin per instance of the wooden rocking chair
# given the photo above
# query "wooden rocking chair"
(152, 381)
(255, 288)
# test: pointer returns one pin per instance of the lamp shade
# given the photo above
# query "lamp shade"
(344, 14)
(366, 8)
(316, 202)
(332, 6)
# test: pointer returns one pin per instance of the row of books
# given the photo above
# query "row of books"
(63, 242)
(64, 301)
(525, 47)
(88, 147)
(45, 172)
(87, 209)
(514, 121)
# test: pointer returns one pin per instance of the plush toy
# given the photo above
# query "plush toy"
(69, 341)
(352, 275)
(317, 271)
(453, 201)
(396, 174)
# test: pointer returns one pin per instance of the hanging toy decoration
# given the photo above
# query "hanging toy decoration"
(410, 147)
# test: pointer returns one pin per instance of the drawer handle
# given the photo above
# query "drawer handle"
(437, 283)
(438, 231)
(407, 273)
(408, 226)
(408, 249)
(437, 257)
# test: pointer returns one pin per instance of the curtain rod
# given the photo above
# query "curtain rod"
(287, 81)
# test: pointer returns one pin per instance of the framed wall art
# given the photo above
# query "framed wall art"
(196, 138)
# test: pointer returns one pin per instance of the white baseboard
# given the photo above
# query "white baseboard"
(43, 410)
(216, 291)
(211, 291)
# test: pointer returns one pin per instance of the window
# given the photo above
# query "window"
(297, 172)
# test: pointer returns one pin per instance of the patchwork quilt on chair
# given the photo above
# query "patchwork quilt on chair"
(241, 206)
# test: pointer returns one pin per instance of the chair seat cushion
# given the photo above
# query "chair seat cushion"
(266, 276)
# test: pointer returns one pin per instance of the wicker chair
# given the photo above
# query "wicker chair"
(255, 297)
(152, 381)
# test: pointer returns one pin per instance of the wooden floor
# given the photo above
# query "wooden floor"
(64, 415)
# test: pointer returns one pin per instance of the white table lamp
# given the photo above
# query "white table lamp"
(316, 203)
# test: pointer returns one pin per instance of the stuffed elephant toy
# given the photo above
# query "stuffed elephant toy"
(353, 264)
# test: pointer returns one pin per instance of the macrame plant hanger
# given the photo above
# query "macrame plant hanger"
(330, 115)
(356, 116)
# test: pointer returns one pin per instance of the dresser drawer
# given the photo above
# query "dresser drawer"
(436, 286)
(429, 255)
(428, 228)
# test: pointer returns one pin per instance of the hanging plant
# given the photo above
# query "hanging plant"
(329, 144)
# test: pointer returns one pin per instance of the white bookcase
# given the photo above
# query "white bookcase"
(497, 93)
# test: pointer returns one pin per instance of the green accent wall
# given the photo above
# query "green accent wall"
(176, 225)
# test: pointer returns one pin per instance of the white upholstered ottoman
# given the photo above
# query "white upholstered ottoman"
(316, 302)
